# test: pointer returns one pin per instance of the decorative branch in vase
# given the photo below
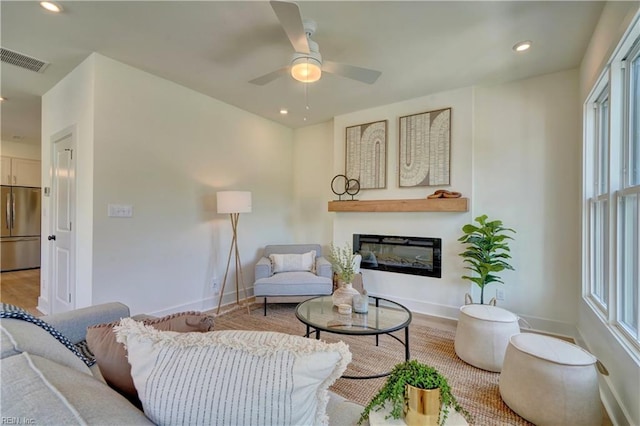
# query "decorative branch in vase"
(344, 264)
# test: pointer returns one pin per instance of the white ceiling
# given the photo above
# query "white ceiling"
(216, 47)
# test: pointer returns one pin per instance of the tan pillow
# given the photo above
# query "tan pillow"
(111, 356)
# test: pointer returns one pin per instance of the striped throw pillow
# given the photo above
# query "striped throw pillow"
(231, 377)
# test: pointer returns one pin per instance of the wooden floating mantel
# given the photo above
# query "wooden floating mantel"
(413, 205)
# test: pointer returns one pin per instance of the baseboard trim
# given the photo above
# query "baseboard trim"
(202, 305)
(43, 306)
(198, 305)
(420, 307)
(614, 410)
(552, 327)
(540, 325)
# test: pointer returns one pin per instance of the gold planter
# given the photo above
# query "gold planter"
(423, 406)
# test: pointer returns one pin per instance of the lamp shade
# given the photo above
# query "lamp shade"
(234, 201)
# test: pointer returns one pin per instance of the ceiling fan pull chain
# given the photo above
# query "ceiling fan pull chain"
(306, 100)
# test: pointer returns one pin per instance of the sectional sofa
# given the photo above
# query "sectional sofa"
(43, 382)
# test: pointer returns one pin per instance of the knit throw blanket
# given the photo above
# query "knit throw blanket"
(15, 312)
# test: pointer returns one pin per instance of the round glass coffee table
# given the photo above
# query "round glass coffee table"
(384, 317)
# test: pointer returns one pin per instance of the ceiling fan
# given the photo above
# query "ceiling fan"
(307, 64)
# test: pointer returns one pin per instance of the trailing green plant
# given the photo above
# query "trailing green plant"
(416, 374)
(342, 262)
(487, 251)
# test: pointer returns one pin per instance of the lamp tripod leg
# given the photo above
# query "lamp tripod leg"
(244, 287)
(239, 276)
(226, 272)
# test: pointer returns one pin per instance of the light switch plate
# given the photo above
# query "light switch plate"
(120, 210)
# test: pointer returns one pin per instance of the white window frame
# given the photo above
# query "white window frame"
(596, 196)
(625, 189)
(617, 79)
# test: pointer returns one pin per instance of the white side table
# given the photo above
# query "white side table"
(377, 418)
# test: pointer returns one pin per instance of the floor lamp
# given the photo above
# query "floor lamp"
(234, 203)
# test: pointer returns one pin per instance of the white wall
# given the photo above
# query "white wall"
(423, 294)
(312, 174)
(71, 103)
(526, 172)
(614, 20)
(621, 388)
(166, 150)
(515, 155)
(20, 150)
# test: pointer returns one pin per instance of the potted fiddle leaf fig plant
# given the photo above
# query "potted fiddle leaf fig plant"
(403, 389)
(487, 251)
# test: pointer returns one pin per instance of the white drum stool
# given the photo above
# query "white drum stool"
(483, 334)
(550, 382)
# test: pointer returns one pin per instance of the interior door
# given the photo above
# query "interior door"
(62, 237)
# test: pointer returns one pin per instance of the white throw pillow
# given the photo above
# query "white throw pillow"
(231, 377)
(293, 262)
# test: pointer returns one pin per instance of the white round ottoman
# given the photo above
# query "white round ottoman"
(550, 382)
(483, 334)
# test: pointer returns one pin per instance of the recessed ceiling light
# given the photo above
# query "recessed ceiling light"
(284, 111)
(51, 6)
(2, 99)
(522, 46)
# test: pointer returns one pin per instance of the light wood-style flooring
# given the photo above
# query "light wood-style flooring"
(21, 288)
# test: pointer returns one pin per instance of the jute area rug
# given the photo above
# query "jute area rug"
(476, 389)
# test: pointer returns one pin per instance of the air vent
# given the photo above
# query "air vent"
(22, 61)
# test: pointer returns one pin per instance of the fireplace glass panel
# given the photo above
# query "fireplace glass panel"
(407, 255)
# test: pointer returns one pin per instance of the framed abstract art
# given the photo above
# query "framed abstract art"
(366, 154)
(425, 149)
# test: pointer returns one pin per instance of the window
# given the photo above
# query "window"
(629, 202)
(600, 203)
(628, 316)
(612, 194)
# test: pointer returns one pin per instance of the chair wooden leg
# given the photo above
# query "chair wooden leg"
(265, 306)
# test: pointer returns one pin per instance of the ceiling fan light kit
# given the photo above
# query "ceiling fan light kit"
(306, 69)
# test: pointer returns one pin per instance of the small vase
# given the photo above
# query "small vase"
(344, 294)
(361, 303)
(423, 406)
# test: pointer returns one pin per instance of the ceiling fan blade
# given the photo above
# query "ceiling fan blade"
(364, 75)
(291, 20)
(268, 78)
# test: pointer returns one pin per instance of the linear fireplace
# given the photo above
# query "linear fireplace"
(406, 255)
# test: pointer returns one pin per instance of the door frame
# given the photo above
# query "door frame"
(68, 132)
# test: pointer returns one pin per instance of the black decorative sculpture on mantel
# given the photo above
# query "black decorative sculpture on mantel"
(341, 184)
